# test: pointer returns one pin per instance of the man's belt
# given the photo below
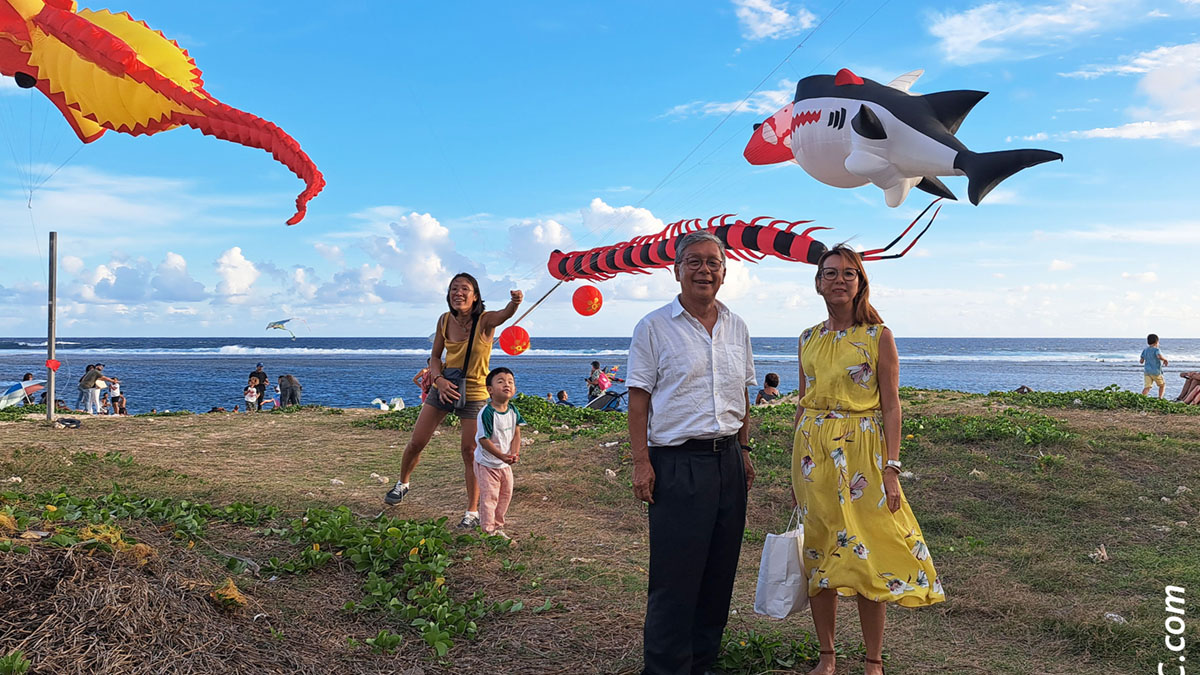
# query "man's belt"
(708, 444)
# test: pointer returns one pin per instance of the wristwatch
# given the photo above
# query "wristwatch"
(747, 448)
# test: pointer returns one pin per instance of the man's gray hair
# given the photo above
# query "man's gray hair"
(696, 237)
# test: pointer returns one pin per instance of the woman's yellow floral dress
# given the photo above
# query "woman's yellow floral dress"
(852, 542)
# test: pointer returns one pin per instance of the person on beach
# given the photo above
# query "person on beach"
(263, 381)
(593, 381)
(81, 402)
(454, 330)
(1153, 362)
(28, 400)
(91, 384)
(562, 399)
(860, 536)
(251, 394)
(690, 363)
(497, 448)
(424, 381)
(770, 390)
(116, 399)
(289, 390)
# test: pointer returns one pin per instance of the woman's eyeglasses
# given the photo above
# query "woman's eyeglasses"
(713, 264)
(831, 273)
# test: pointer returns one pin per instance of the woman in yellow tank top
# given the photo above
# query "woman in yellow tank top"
(860, 536)
(451, 337)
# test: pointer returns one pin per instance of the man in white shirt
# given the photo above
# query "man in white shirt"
(689, 365)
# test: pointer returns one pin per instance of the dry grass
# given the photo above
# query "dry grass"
(581, 544)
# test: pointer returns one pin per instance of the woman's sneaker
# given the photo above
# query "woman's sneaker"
(468, 522)
(396, 494)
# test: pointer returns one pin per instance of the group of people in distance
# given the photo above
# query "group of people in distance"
(100, 394)
(255, 392)
(690, 369)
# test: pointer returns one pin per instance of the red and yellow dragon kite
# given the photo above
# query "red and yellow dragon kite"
(107, 71)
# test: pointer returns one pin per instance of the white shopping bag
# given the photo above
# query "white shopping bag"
(782, 584)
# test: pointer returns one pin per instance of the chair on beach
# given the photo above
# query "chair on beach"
(607, 400)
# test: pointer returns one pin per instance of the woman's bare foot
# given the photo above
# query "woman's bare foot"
(826, 666)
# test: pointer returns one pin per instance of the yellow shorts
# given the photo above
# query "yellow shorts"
(1155, 379)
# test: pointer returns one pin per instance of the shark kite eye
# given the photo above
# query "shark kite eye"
(25, 80)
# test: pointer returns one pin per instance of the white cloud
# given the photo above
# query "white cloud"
(1170, 83)
(1009, 30)
(761, 103)
(1178, 56)
(353, 286)
(237, 276)
(531, 241)
(303, 280)
(1061, 265)
(172, 283)
(1178, 129)
(1143, 277)
(607, 224)
(765, 19)
(421, 251)
(332, 253)
(71, 264)
(1182, 233)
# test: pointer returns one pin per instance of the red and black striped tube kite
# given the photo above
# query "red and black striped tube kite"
(750, 241)
(107, 71)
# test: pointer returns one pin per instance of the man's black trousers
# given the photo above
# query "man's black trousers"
(696, 525)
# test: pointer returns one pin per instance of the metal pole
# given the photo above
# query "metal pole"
(50, 314)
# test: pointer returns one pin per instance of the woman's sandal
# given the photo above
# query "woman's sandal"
(876, 661)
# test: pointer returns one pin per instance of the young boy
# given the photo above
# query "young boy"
(1154, 362)
(250, 393)
(497, 448)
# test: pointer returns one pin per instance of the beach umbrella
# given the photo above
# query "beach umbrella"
(14, 394)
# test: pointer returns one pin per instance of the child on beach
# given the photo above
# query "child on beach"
(1153, 361)
(497, 448)
(250, 393)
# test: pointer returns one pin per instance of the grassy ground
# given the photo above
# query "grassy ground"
(1013, 495)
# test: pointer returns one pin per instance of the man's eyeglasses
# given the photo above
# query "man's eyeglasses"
(831, 273)
(713, 264)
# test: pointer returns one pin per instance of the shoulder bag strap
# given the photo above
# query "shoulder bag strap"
(470, 345)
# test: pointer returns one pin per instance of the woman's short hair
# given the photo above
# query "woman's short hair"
(595, 364)
(477, 308)
(772, 380)
(864, 313)
(695, 237)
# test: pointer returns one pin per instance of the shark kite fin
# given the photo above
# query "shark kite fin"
(986, 170)
(951, 107)
(935, 187)
(906, 81)
(866, 124)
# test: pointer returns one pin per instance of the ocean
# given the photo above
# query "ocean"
(200, 373)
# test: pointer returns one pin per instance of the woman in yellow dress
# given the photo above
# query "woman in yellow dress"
(860, 536)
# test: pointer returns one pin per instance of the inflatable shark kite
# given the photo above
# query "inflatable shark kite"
(847, 131)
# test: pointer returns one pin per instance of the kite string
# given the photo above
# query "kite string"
(617, 218)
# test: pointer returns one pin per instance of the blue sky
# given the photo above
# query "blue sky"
(481, 136)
